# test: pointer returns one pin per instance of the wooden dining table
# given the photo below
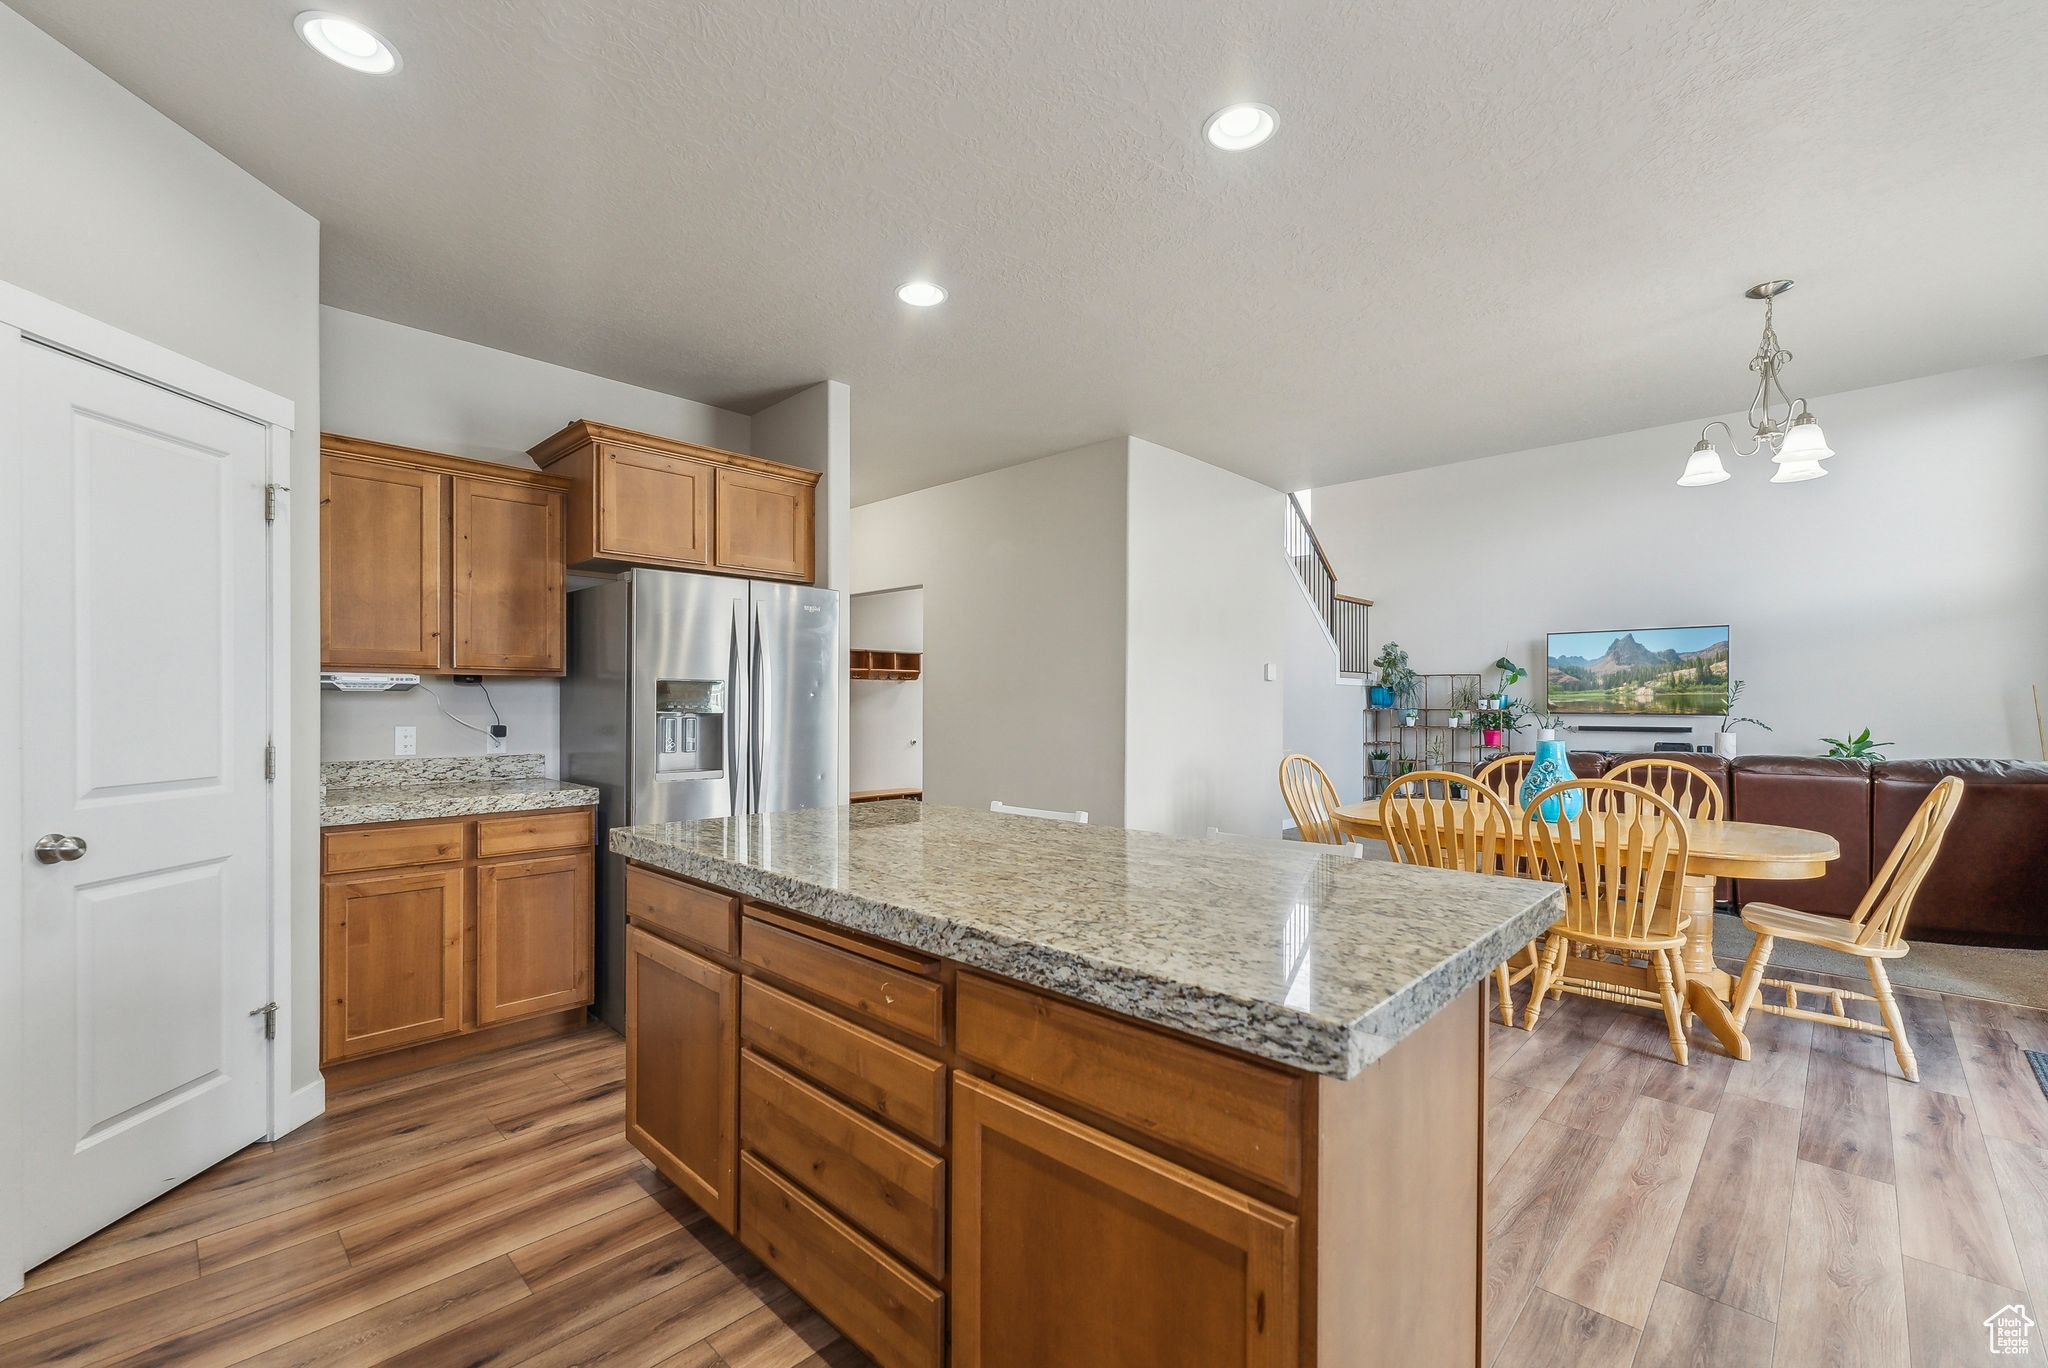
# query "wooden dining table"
(1735, 850)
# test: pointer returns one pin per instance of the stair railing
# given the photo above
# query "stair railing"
(1345, 617)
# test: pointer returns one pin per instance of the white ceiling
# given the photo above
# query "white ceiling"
(1482, 225)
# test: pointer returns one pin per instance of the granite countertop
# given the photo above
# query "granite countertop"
(1311, 960)
(357, 792)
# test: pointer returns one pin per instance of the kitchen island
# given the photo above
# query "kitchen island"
(991, 1090)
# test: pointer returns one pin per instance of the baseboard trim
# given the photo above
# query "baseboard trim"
(302, 1106)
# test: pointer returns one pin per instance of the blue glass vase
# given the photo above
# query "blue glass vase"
(1551, 766)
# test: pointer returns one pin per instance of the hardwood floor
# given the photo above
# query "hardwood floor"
(1808, 1207)
(483, 1213)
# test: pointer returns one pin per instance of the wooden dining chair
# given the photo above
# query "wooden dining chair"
(1442, 820)
(1687, 788)
(1621, 861)
(1504, 775)
(1311, 800)
(1874, 933)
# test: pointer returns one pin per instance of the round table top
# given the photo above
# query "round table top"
(1741, 850)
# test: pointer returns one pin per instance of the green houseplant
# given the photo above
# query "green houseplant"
(1398, 683)
(1724, 736)
(1857, 747)
(1378, 766)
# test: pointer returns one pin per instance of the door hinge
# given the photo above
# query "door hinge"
(268, 1011)
(271, 502)
(269, 761)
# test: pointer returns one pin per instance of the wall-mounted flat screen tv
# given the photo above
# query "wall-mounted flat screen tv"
(1668, 671)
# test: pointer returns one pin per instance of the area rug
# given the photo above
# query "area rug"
(1979, 971)
(2039, 1059)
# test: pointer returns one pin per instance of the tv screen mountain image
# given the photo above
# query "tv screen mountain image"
(1673, 671)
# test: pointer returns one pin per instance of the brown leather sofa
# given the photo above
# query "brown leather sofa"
(1989, 885)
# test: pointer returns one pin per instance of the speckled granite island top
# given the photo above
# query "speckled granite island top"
(1315, 961)
(358, 792)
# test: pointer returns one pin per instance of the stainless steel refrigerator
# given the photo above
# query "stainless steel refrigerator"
(695, 696)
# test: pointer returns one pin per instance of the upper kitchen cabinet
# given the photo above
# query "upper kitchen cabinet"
(638, 499)
(435, 564)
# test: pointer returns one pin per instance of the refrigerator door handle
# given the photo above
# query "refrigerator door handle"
(732, 669)
(756, 686)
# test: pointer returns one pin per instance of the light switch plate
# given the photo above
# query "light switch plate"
(1272, 673)
(405, 740)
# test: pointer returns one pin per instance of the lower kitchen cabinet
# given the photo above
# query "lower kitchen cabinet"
(682, 1069)
(429, 949)
(1071, 1246)
(391, 960)
(533, 935)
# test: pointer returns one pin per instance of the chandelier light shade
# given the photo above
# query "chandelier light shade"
(1704, 466)
(1779, 424)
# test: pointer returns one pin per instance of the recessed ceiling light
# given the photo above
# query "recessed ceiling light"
(922, 293)
(345, 41)
(1236, 127)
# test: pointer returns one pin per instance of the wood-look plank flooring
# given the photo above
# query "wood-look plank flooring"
(483, 1213)
(1806, 1207)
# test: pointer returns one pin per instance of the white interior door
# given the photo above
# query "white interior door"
(145, 701)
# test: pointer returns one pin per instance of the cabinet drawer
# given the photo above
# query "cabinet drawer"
(893, 995)
(347, 850)
(685, 910)
(1230, 1110)
(883, 1307)
(522, 833)
(890, 1188)
(897, 1084)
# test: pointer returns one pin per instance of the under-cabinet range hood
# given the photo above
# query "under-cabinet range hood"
(347, 682)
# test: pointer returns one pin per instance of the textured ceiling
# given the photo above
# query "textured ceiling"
(1482, 225)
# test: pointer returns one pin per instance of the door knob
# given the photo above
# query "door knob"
(55, 847)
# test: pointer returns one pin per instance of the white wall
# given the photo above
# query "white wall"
(115, 211)
(813, 428)
(887, 715)
(391, 383)
(1208, 592)
(1903, 592)
(1322, 714)
(1023, 573)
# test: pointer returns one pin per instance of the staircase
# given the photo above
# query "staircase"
(1344, 617)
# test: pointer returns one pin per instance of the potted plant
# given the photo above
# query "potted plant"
(1464, 703)
(1725, 743)
(1507, 715)
(1857, 747)
(1409, 717)
(1398, 682)
(1378, 765)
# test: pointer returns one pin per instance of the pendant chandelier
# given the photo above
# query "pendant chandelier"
(1781, 425)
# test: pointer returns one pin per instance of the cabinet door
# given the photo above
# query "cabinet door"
(653, 508)
(764, 524)
(390, 960)
(682, 1069)
(1070, 1246)
(506, 559)
(535, 924)
(382, 550)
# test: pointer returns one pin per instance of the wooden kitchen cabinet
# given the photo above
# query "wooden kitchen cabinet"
(436, 564)
(383, 565)
(533, 942)
(446, 935)
(507, 593)
(1146, 1262)
(682, 1069)
(639, 499)
(391, 960)
(765, 524)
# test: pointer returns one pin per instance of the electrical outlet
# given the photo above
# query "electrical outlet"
(405, 740)
(494, 745)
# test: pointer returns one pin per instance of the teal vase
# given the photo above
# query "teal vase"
(1551, 766)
